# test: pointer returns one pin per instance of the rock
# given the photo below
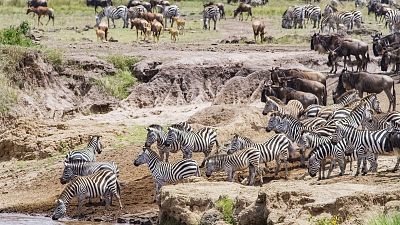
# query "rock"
(256, 213)
(145, 70)
(210, 217)
(392, 206)
(92, 63)
(145, 218)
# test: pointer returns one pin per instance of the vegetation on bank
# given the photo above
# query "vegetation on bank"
(226, 206)
(386, 219)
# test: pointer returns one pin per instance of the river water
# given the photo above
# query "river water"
(22, 219)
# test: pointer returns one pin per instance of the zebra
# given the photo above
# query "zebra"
(247, 158)
(356, 19)
(201, 141)
(380, 121)
(121, 12)
(298, 16)
(293, 107)
(156, 134)
(392, 17)
(336, 152)
(314, 13)
(344, 100)
(136, 11)
(87, 154)
(211, 12)
(102, 183)
(336, 18)
(72, 170)
(364, 142)
(169, 12)
(276, 148)
(164, 172)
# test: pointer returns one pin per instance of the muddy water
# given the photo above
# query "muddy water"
(22, 219)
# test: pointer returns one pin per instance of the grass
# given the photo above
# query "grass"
(15, 35)
(122, 62)
(118, 84)
(384, 219)
(8, 94)
(225, 205)
(327, 221)
(136, 135)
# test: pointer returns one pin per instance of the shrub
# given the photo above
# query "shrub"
(225, 205)
(122, 62)
(16, 35)
(118, 84)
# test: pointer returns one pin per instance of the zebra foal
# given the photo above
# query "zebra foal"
(102, 183)
(164, 172)
(247, 158)
(87, 154)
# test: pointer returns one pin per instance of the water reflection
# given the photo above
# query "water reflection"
(22, 219)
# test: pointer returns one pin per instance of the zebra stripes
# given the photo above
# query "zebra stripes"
(156, 134)
(87, 154)
(316, 162)
(313, 13)
(276, 148)
(120, 12)
(247, 158)
(293, 107)
(169, 12)
(334, 19)
(163, 172)
(356, 19)
(102, 183)
(201, 141)
(380, 121)
(72, 170)
(134, 12)
(364, 142)
(210, 13)
(392, 17)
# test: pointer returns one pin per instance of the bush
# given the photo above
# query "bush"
(225, 205)
(16, 35)
(122, 62)
(118, 84)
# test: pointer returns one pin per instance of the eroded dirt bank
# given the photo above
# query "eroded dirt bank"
(222, 92)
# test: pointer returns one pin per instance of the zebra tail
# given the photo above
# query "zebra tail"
(118, 188)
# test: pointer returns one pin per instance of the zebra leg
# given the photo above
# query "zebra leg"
(161, 153)
(259, 171)
(358, 165)
(81, 197)
(278, 166)
(323, 169)
(341, 166)
(230, 173)
(364, 169)
(396, 167)
(333, 162)
(302, 158)
(286, 169)
(252, 174)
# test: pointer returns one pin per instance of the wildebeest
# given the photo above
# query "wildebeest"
(346, 49)
(305, 85)
(379, 42)
(258, 29)
(36, 3)
(367, 82)
(378, 8)
(98, 3)
(277, 74)
(241, 9)
(286, 94)
(325, 42)
(391, 56)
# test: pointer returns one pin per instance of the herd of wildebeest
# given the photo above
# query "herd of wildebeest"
(353, 128)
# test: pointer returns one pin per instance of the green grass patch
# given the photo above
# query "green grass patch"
(334, 220)
(122, 62)
(136, 135)
(225, 205)
(54, 56)
(118, 84)
(8, 94)
(386, 219)
(16, 35)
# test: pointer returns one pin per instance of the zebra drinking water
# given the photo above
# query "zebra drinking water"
(102, 183)
(120, 12)
(163, 172)
(87, 154)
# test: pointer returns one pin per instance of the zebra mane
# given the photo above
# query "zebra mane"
(276, 100)
(243, 137)
(366, 98)
(156, 126)
(277, 113)
(151, 152)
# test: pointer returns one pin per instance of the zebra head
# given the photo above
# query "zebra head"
(60, 210)
(211, 165)
(235, 145)
(144, 157)
(172, 136)
(273, 122)
(95, 143)
(339, 132)
(313, 166)
(374, 103)
(304, 141)
(269, 106)
(283, 126)
(349, 149)
(68, 174)
(153, 134)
